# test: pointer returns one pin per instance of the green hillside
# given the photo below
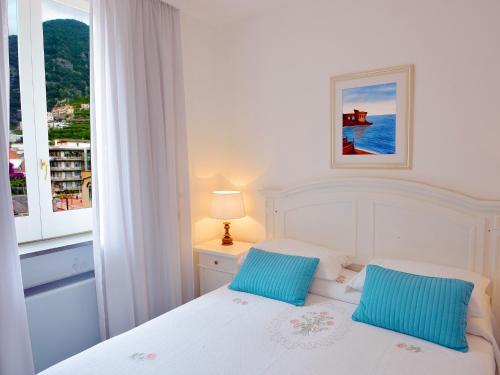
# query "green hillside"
(15, 101)
(66, 45)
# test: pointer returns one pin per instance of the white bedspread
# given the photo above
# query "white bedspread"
(226, 332)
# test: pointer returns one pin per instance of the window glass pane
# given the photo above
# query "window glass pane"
(17, 170)
(66, 52)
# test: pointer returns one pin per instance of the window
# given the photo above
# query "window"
(49, 148)
(17, 165)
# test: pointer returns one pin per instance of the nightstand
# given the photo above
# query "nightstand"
(217, 264)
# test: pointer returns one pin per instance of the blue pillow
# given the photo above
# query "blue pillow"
(430, 308)
(286, 278)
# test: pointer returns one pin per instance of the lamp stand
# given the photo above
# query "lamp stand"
(227, 240)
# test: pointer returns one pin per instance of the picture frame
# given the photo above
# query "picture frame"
(372, 118)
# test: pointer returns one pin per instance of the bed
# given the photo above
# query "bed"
(228, 332)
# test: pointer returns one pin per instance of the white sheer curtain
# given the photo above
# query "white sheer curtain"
(15, 345)
(142, 236)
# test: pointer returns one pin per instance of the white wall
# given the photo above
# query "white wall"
(259, 106)
(202, 92)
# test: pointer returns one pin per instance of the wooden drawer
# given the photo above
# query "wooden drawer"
(218, 263)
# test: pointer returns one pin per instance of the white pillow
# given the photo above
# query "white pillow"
(330, 261)
(336, 289)
(479, 301)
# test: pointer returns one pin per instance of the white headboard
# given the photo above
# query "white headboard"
(372, 217)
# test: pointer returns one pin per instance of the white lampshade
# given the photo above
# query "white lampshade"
(227, 205)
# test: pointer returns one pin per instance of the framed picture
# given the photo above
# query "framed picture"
(372, 116)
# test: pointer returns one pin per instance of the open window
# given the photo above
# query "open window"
(49, 148)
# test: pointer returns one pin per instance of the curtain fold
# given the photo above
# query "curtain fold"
(15, 354)
(142, 239)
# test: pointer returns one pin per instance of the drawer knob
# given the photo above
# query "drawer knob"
(216, 262)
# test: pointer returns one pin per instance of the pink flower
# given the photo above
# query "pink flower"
(329, 323)
(244, 303)
(401, 345)
(151, 356)
(294, 321)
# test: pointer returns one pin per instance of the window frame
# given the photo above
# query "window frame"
(41, 222)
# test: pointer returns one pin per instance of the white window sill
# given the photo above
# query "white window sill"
(54, 243)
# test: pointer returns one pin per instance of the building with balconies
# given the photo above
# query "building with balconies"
(69, 159)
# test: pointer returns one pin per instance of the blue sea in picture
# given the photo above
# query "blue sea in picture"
(380, 137)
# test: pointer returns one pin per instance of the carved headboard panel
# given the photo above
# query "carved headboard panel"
(367, 218)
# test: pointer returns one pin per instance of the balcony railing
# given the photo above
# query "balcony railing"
(72, 178)
(62, 169)
(67, 158)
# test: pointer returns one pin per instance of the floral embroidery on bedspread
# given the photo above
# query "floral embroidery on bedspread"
(341, 279)
(143, 356)
(410, 348)
(312, 322)
(308, 327)
(239, 301)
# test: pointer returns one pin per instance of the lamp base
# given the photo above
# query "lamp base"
(227, 239)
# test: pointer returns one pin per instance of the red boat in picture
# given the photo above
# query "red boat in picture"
(347, 147)
(355, 118)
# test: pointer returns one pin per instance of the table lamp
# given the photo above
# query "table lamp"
(227, 205)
